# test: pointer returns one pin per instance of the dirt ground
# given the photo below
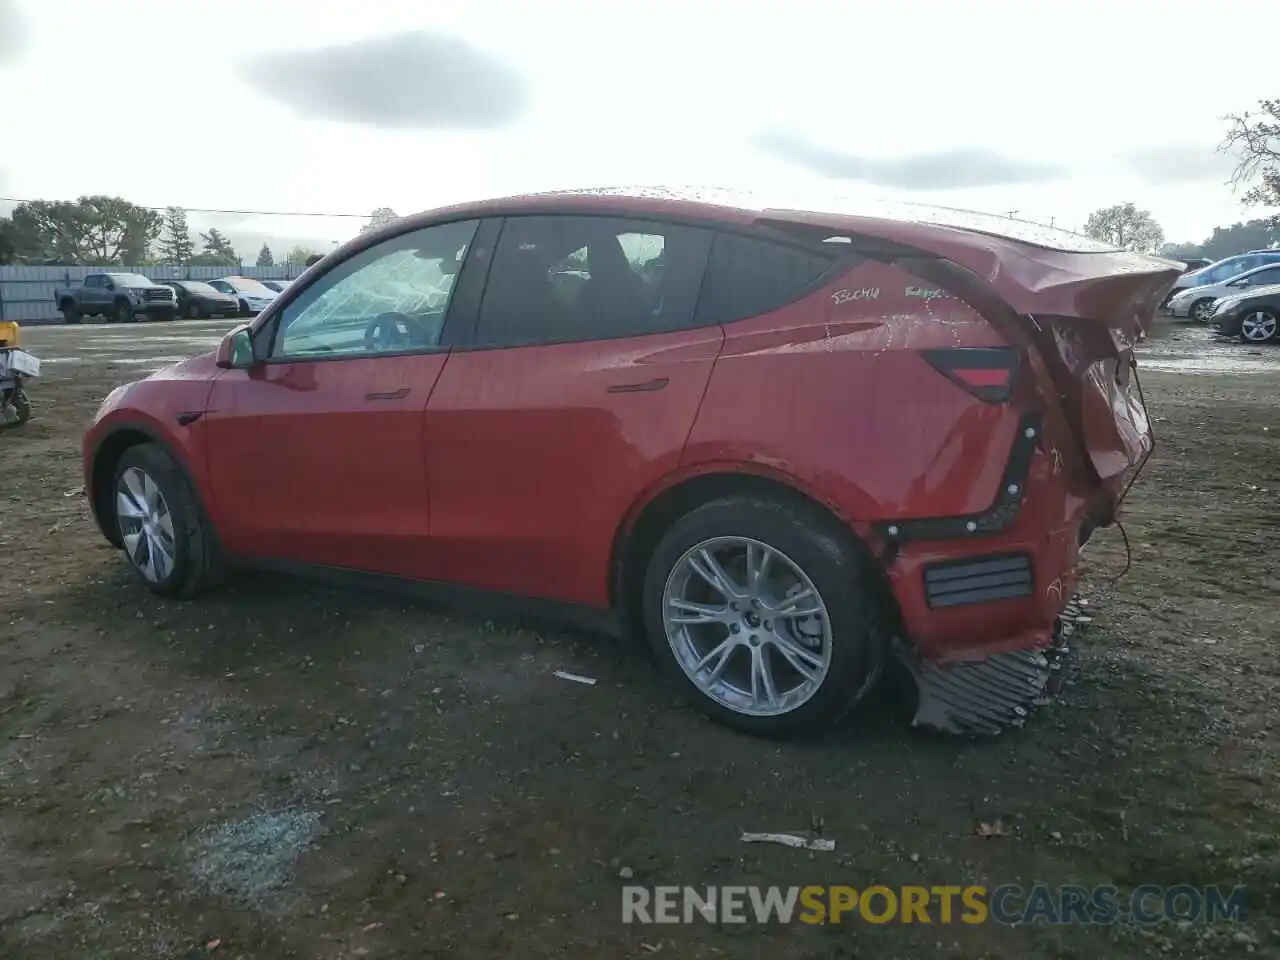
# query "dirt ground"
(288, 770)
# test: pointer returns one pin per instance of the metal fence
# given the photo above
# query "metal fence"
(26, 293)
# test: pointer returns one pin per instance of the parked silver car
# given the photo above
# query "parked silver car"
(1197, 302)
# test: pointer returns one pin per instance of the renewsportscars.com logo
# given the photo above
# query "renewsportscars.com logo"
(1008, 904)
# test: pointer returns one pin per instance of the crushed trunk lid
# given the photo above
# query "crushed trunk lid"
(1080, 305)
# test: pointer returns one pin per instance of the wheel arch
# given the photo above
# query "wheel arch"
(106, 457)
(660, 506)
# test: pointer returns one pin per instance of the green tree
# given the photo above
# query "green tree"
(1255, 139)
(175, 238)
(8, 243)
(265, 259)
(94, 230)
(217, 251)
(1228, 241)
(1126, 227)
(301, 254)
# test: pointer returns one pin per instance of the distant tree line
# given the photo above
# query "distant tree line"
(111, 231)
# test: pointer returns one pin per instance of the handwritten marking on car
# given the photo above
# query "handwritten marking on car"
(846, 296)
(927, 293)
(1054, 590)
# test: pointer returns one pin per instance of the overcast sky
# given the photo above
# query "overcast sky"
(1051, 110)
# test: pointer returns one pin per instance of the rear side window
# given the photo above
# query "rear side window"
(748, 276)
(561, 279)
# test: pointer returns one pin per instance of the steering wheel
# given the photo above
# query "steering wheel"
(390, 331)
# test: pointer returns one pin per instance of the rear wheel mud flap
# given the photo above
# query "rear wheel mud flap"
(990, 696)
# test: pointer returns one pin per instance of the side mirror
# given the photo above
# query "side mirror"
(108, 285)
(235, 351)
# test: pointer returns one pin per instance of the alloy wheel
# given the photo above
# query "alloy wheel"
(1258, 326)
(146, 525)
(747, 626)
(1202, 310)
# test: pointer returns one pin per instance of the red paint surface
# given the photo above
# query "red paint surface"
(515, 469)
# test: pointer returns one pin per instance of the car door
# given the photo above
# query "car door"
(315, 454)
(1258, 278)
(574, 397)
(94, 292)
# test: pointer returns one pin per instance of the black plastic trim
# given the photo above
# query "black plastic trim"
(997, 517)
(956, 583)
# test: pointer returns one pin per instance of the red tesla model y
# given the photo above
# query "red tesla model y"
(784, 443)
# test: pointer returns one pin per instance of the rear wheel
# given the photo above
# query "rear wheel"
(1202, 309)
(165, 535)
(765, 614)
(1259, 326)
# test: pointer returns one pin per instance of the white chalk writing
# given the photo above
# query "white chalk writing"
(927, 293)
(845, 296)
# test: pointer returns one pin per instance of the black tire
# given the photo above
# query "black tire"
(1193, 313)
(123, 312)
(197, 565)
(244, 309)
(195, 312)
(21, 405)
(70, 313)
(838, 569)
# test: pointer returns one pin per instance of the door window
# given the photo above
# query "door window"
(559, 279)
(391, 297)
(1265, 277)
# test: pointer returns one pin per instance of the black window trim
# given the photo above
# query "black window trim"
(840, 259)
(455, 316)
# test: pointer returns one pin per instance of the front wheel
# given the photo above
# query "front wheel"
(765, 615)
(1259, 326)
(70, 314)
(165, 535)
(195, 312)
(123, 313)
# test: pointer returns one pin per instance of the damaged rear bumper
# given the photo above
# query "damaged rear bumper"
(986, 697)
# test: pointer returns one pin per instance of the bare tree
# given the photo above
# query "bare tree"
(1255, 137)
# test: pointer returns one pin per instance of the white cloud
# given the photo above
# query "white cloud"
(660, 91)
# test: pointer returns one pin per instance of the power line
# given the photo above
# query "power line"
(242, 213)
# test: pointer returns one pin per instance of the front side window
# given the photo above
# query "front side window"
(222, 286)
(560, 279)
(390, 297)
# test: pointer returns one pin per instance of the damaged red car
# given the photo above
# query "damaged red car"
(784, 442)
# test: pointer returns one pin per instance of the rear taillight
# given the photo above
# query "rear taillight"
(986, 372)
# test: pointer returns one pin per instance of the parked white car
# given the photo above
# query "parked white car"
(254, 297)
(1197, 302)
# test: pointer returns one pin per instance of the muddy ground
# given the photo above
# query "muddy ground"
(287, 770)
